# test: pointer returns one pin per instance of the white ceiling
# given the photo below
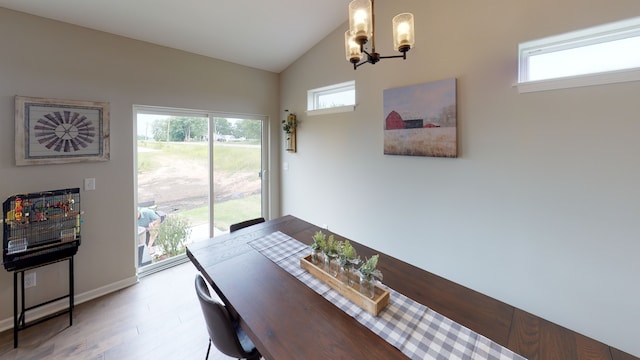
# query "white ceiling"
(264, 34)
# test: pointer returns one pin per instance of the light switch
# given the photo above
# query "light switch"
(89, 184)
(285, 166)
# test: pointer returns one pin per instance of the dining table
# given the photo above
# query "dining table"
(288, 315)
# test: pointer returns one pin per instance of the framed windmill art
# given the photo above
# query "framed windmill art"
(52, 131)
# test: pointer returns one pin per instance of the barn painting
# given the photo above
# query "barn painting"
(421, 120)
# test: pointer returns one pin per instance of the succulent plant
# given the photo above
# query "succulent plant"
(332, 246)
(319, 241)
(348, 251)
(369, 268)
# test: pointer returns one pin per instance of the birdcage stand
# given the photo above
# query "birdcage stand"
(19, 312)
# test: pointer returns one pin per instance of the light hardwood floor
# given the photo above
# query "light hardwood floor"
(158, 318)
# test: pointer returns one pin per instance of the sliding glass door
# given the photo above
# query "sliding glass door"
(197, 173)
(237, 171)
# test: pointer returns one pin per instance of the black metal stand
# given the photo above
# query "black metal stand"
(19, 320)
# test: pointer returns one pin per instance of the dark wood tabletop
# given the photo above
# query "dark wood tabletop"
(287, 320)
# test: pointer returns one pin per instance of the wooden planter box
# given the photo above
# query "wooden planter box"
(372, 306)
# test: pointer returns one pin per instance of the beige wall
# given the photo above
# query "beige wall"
(45, 58)
(540, 210)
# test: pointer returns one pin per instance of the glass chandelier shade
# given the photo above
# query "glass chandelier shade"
(352, 49)
(361, 20)
(403, 34)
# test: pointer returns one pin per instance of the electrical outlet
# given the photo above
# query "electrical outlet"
(29, 280)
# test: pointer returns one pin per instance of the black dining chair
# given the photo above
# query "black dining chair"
(245, 223)
(224, 331)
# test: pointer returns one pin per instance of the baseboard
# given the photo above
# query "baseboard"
(77, 299)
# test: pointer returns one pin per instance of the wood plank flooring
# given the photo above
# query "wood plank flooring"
(158, 318)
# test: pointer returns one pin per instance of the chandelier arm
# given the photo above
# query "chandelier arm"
(373, 27)
(403, 56)
(355, 66)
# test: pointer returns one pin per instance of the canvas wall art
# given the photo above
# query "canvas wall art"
(421, 120)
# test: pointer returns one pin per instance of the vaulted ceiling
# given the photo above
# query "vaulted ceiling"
(264, 34)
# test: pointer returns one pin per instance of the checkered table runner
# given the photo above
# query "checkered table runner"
(417, 331)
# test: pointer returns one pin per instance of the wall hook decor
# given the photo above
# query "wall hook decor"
(289, 126)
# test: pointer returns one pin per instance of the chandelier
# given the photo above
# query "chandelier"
(362, 30)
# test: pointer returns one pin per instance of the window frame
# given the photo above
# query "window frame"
(573, 40)
(314, 95)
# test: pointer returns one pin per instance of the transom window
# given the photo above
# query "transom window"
(331, 99)
(603, 54)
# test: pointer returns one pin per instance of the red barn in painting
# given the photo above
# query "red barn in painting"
(394, 121)
(431, 125)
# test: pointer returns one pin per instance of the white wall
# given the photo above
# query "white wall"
(540, 209)
(50, 59)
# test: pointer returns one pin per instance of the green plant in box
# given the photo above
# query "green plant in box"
(332, 246)
(317, 247)
(331, 259)
(319, 241)
(368, 271)
(347, 253)
(348, 261)
(369, 268)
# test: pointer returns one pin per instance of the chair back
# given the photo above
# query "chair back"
(220, 325)
(245, 223)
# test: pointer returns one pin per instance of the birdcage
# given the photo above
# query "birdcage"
(40, 227)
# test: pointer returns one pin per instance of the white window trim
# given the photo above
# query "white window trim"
(313, 94)
(610, 32)
(609, 77)
(331, 110)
